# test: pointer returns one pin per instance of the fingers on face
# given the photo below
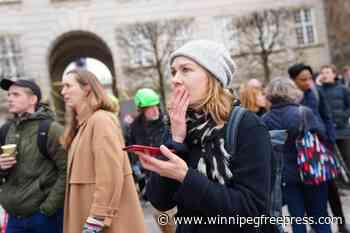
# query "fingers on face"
(182, 96)
(185, 102)
(175, 99)
(180, 102)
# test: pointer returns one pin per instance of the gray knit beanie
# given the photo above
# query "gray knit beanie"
(210, 55)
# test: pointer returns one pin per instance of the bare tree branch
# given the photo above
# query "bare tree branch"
(147, 46)
(261, 35)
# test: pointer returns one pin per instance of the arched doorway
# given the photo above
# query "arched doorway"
(69, 48)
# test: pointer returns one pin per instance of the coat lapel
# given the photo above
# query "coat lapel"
(73, 148)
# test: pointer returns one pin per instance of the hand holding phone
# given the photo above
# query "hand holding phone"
(172, 166)
(150, 150)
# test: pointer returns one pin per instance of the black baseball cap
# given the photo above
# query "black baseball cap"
(5, 84)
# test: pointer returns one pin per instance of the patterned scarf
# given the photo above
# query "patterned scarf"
(214, 159)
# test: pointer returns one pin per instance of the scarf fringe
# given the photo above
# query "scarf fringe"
(227, 158)
(214, 161)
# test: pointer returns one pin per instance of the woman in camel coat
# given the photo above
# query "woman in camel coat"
(100, 194)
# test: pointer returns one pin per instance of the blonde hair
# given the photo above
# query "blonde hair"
(217, 102)
(283, 89)
(248, 97)
(96, 101)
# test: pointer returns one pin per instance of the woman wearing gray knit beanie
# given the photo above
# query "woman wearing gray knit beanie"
(201, 178)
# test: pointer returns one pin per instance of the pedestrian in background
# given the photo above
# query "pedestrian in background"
(346, 76)
(285, 114)
(147, 129)
(33, 176)
(253, 98)
(314, 98)
(100, 193)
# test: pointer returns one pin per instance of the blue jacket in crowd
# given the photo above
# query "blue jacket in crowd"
(316, 101)
(338, 97)
(287, 116)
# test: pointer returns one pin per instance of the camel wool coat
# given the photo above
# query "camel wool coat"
(99, 178)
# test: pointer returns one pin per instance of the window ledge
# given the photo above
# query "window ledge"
(7, 2)
(64, 1)
(308, 46)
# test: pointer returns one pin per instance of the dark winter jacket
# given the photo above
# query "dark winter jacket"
(287, 116)
(35, 182)
(143, 132)
(315, 99)
(338, 97)
(197, 196)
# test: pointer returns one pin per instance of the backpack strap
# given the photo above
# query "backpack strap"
(232, 128)
(3, 132)
(42, 137)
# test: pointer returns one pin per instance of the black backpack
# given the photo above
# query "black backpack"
(42, 136)
(278, 138)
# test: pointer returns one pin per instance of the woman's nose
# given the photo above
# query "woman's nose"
(176, 79)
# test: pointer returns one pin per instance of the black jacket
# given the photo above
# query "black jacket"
(338, 97)
(143, 132)
(316, 100)
(146, 132)
(197, 196)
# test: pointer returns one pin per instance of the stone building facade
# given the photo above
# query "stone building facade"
(39, 38)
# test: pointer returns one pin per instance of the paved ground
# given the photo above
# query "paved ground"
(345, 196)
(149, 220)
(153, 228)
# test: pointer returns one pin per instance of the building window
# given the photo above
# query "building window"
(304, 27)
(227, 33)
(66, 0)
(140, 51)
(11, 64)
(133, 1)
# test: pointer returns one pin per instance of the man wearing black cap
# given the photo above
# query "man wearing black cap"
(314, 98)
(33, 177)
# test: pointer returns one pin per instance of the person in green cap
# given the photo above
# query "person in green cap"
(147, 129)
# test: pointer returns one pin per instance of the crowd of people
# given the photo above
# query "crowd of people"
(78, 178)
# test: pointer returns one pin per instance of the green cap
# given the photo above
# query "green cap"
(146, 97)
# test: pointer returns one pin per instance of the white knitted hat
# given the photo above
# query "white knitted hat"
(210, 55)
